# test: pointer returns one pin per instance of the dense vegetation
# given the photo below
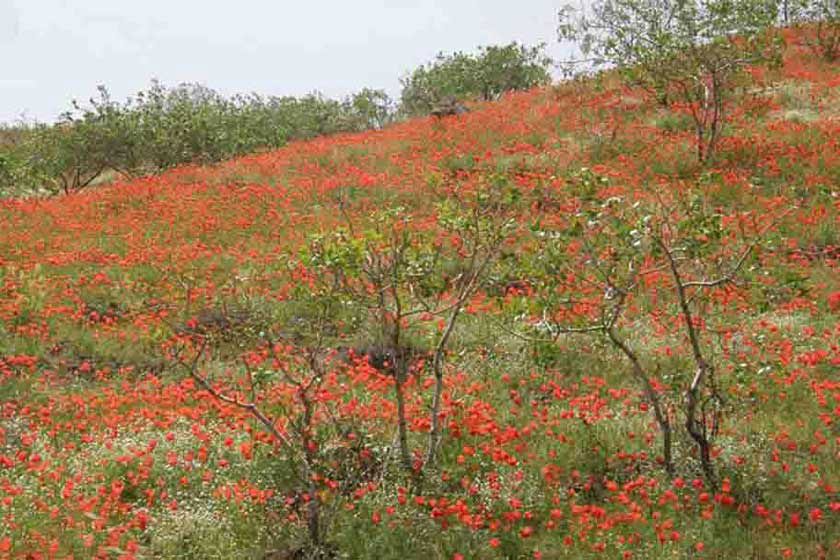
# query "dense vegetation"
(161, 128)
(485, 76)
(546, 328)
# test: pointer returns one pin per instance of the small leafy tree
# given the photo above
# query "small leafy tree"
(184, 124)
(291, 385)
(86, 142)
(692, 51)
(601, 270)
(407, 281)
(586, 276)
(482, 222)
(486, 75)
(67, 157)
(369, 109)
(380, 272)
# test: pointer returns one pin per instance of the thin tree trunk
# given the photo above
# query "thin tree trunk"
(400, 368)
(402, 424)
(701, 152)
(437, 366)
(440, 351)
(313, 515)
(696, 428)
(650, 393)
(313, 507)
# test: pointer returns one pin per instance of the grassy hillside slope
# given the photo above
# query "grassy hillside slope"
(108, 450)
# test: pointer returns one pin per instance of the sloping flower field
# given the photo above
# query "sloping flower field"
(118, 302)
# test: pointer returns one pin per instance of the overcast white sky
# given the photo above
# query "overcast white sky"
(52, 51)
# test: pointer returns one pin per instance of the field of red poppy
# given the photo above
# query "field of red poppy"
(202, 364)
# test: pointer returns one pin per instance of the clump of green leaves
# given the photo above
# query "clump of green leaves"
(690, 51)
(486, 75)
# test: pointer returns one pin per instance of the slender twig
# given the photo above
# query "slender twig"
(250, 407)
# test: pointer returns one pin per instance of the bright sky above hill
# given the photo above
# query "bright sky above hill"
(55, 50)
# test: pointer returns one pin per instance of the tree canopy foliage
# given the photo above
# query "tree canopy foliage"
(691, 50)
(164, 127)
(161, 127)
(485, 75)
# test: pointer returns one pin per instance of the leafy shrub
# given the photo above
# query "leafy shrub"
(492, 72)
(12, 168)
(693, 52)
